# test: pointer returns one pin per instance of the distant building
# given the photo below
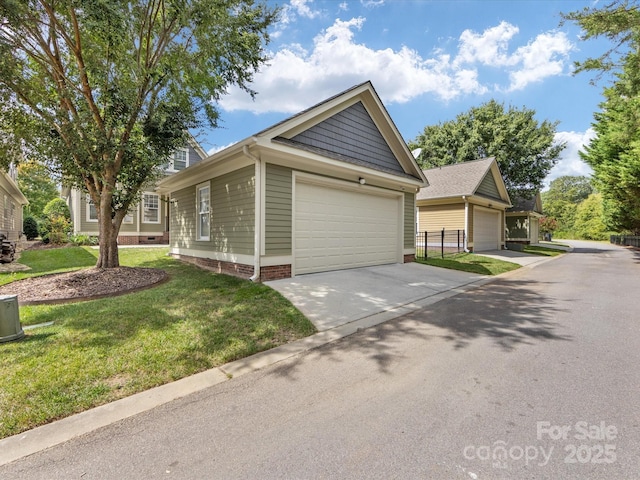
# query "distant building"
(147, 222)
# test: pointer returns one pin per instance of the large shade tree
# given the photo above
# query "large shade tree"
(105, 90)
(524, 148)
(562, 198)
(614, 153)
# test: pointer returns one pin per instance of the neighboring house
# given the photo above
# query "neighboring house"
(147, 222)
(12, 202)
(523, 220)
(330, 188)
(469, 196)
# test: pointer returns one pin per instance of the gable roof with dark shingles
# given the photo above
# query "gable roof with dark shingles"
(455, 180)
(521, 204)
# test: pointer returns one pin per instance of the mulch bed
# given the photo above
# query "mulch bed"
(87, 284)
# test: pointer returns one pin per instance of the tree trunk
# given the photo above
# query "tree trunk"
(108, 234)
(108, 256)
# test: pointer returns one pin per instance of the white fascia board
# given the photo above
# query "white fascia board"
(308, 161)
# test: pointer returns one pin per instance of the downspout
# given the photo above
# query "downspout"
(258, 213)
(466, 223)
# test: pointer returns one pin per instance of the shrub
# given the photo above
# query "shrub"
(30, 227)
(82, 239)
(56, 226)
(58, 207)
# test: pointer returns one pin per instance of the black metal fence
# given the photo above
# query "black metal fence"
(439, 243)
(628, 240)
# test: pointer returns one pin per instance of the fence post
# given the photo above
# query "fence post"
(426, 236)
(442, 243)
(458, 241)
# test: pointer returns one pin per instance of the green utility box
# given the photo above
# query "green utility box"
(10, 328)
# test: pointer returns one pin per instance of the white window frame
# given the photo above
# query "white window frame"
(199, 212)
(144, 208)
(89, 205)
(171, 165)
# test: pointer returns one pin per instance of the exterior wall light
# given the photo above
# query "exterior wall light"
(362, 181)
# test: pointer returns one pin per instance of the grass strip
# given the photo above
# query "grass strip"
(102, 350)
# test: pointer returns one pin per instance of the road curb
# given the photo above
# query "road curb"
(40, 438)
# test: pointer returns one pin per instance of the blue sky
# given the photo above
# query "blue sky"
(428, 61)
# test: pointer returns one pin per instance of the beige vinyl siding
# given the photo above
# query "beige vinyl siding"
(436, 217)
(470, 224)
(233, 212)
(278, 198)
(182, 230)
(11, 215)
(409, 220)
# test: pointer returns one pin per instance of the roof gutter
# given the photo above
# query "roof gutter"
(258, 216)
(466, 223)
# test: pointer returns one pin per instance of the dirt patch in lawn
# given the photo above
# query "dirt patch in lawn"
(85, 284)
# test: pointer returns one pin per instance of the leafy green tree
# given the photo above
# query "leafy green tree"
(614, 154)
(106, 90)
(562, 198)
(36, 182)
(56, 225)
(589, 222)
(524, 148)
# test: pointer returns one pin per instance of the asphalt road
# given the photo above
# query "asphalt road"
(535, 375)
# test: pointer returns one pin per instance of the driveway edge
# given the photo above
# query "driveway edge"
(46, 436)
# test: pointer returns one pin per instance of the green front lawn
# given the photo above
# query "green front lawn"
(468, 262)
(98, 351)
(536, 250)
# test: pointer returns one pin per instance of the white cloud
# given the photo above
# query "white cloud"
(297, 78)
(544, 57)
(372, 3)
(488, 48)
(217, 148)
(570, 162)
(302, 8)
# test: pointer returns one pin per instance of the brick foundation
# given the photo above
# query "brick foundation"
(143, 239)
(409, 258)
(218, 266)
(275, 272)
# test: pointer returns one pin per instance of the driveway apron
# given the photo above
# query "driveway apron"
(331, 299)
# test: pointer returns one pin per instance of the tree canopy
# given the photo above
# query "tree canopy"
(614, 153)
(106, 90)
(35, 182)
(524, 148)
(562, 199)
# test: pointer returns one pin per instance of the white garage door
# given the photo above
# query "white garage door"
(486, 230)
(337, 229)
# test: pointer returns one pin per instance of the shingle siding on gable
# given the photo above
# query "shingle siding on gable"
(488, 187)
(352, 133)
(194, 157)
(278, 200)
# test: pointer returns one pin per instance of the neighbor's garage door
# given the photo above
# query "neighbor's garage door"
(337, 229)
(486, 230)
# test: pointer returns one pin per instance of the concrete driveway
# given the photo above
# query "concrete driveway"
(331, 299)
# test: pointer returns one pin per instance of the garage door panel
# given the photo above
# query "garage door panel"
(486, 230)
(338, 229)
